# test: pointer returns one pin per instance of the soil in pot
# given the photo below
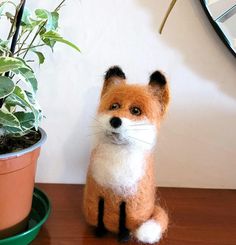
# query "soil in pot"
(10, 143)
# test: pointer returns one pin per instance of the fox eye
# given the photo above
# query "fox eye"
(135, 111)
(114, 106)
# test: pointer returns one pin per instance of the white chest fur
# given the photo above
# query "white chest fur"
(118, 167)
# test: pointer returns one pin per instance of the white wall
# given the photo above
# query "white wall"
(197, 144)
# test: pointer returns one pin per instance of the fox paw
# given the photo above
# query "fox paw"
(100, 231)
(124, 236)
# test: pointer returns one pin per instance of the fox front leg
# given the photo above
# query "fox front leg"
(100, 228)
(124, 233)
(94, 209)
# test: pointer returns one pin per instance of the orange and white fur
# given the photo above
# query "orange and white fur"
(119, 195)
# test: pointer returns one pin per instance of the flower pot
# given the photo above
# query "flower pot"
(17, 175)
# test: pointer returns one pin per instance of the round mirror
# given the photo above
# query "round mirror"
(222, 15)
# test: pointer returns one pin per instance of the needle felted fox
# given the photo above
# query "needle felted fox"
(119, 195)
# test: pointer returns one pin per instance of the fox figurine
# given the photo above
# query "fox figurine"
(119, 194)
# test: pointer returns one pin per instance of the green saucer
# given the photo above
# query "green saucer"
(39, 213)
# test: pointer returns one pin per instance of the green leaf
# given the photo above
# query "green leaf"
(25, 64)
(8, 119)
(35, 23)
(40, 56)
(50, 17)
(41, 13)
(12, 101)
(55, 17)
(20, 96)
(4, 48)
(30, 97)
(10, 16)
(51, 25)
(8, 107)
(17, 98)
(29, 77)
(4, 43)
(26, 119)
(2, 6)
(9, 63)
(6, 86)
(26, 21)
(49, 42)
(54, 36)
(12, 130)
(37, 117)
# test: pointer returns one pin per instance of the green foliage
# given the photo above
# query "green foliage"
(41, 57)
(28, 77)
(54, 36)
(8, 64)
(6, 87)
(8, 119)
(19, 109)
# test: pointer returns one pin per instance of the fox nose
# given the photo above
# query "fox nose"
(115, 122)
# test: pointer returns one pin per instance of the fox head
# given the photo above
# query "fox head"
(128, 114)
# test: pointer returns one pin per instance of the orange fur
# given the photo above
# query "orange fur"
(136, 95)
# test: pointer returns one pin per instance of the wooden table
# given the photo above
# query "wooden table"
(198, 217)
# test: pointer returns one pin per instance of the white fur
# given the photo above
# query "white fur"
(118, 168)
(149, 232)
(119, 161)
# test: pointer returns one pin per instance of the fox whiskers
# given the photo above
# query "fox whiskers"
(142, 141)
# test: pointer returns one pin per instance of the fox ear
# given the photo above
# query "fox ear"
(113, 76)
(160, 89)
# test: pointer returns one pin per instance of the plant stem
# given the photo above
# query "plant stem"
(23, 43)
(12, 26)
(31, 43)
(172, 4)
(59, 6)
(23, 49)
(21, 34)
(18, 22)
(17, 19)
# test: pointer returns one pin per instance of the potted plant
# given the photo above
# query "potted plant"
(20, 114)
